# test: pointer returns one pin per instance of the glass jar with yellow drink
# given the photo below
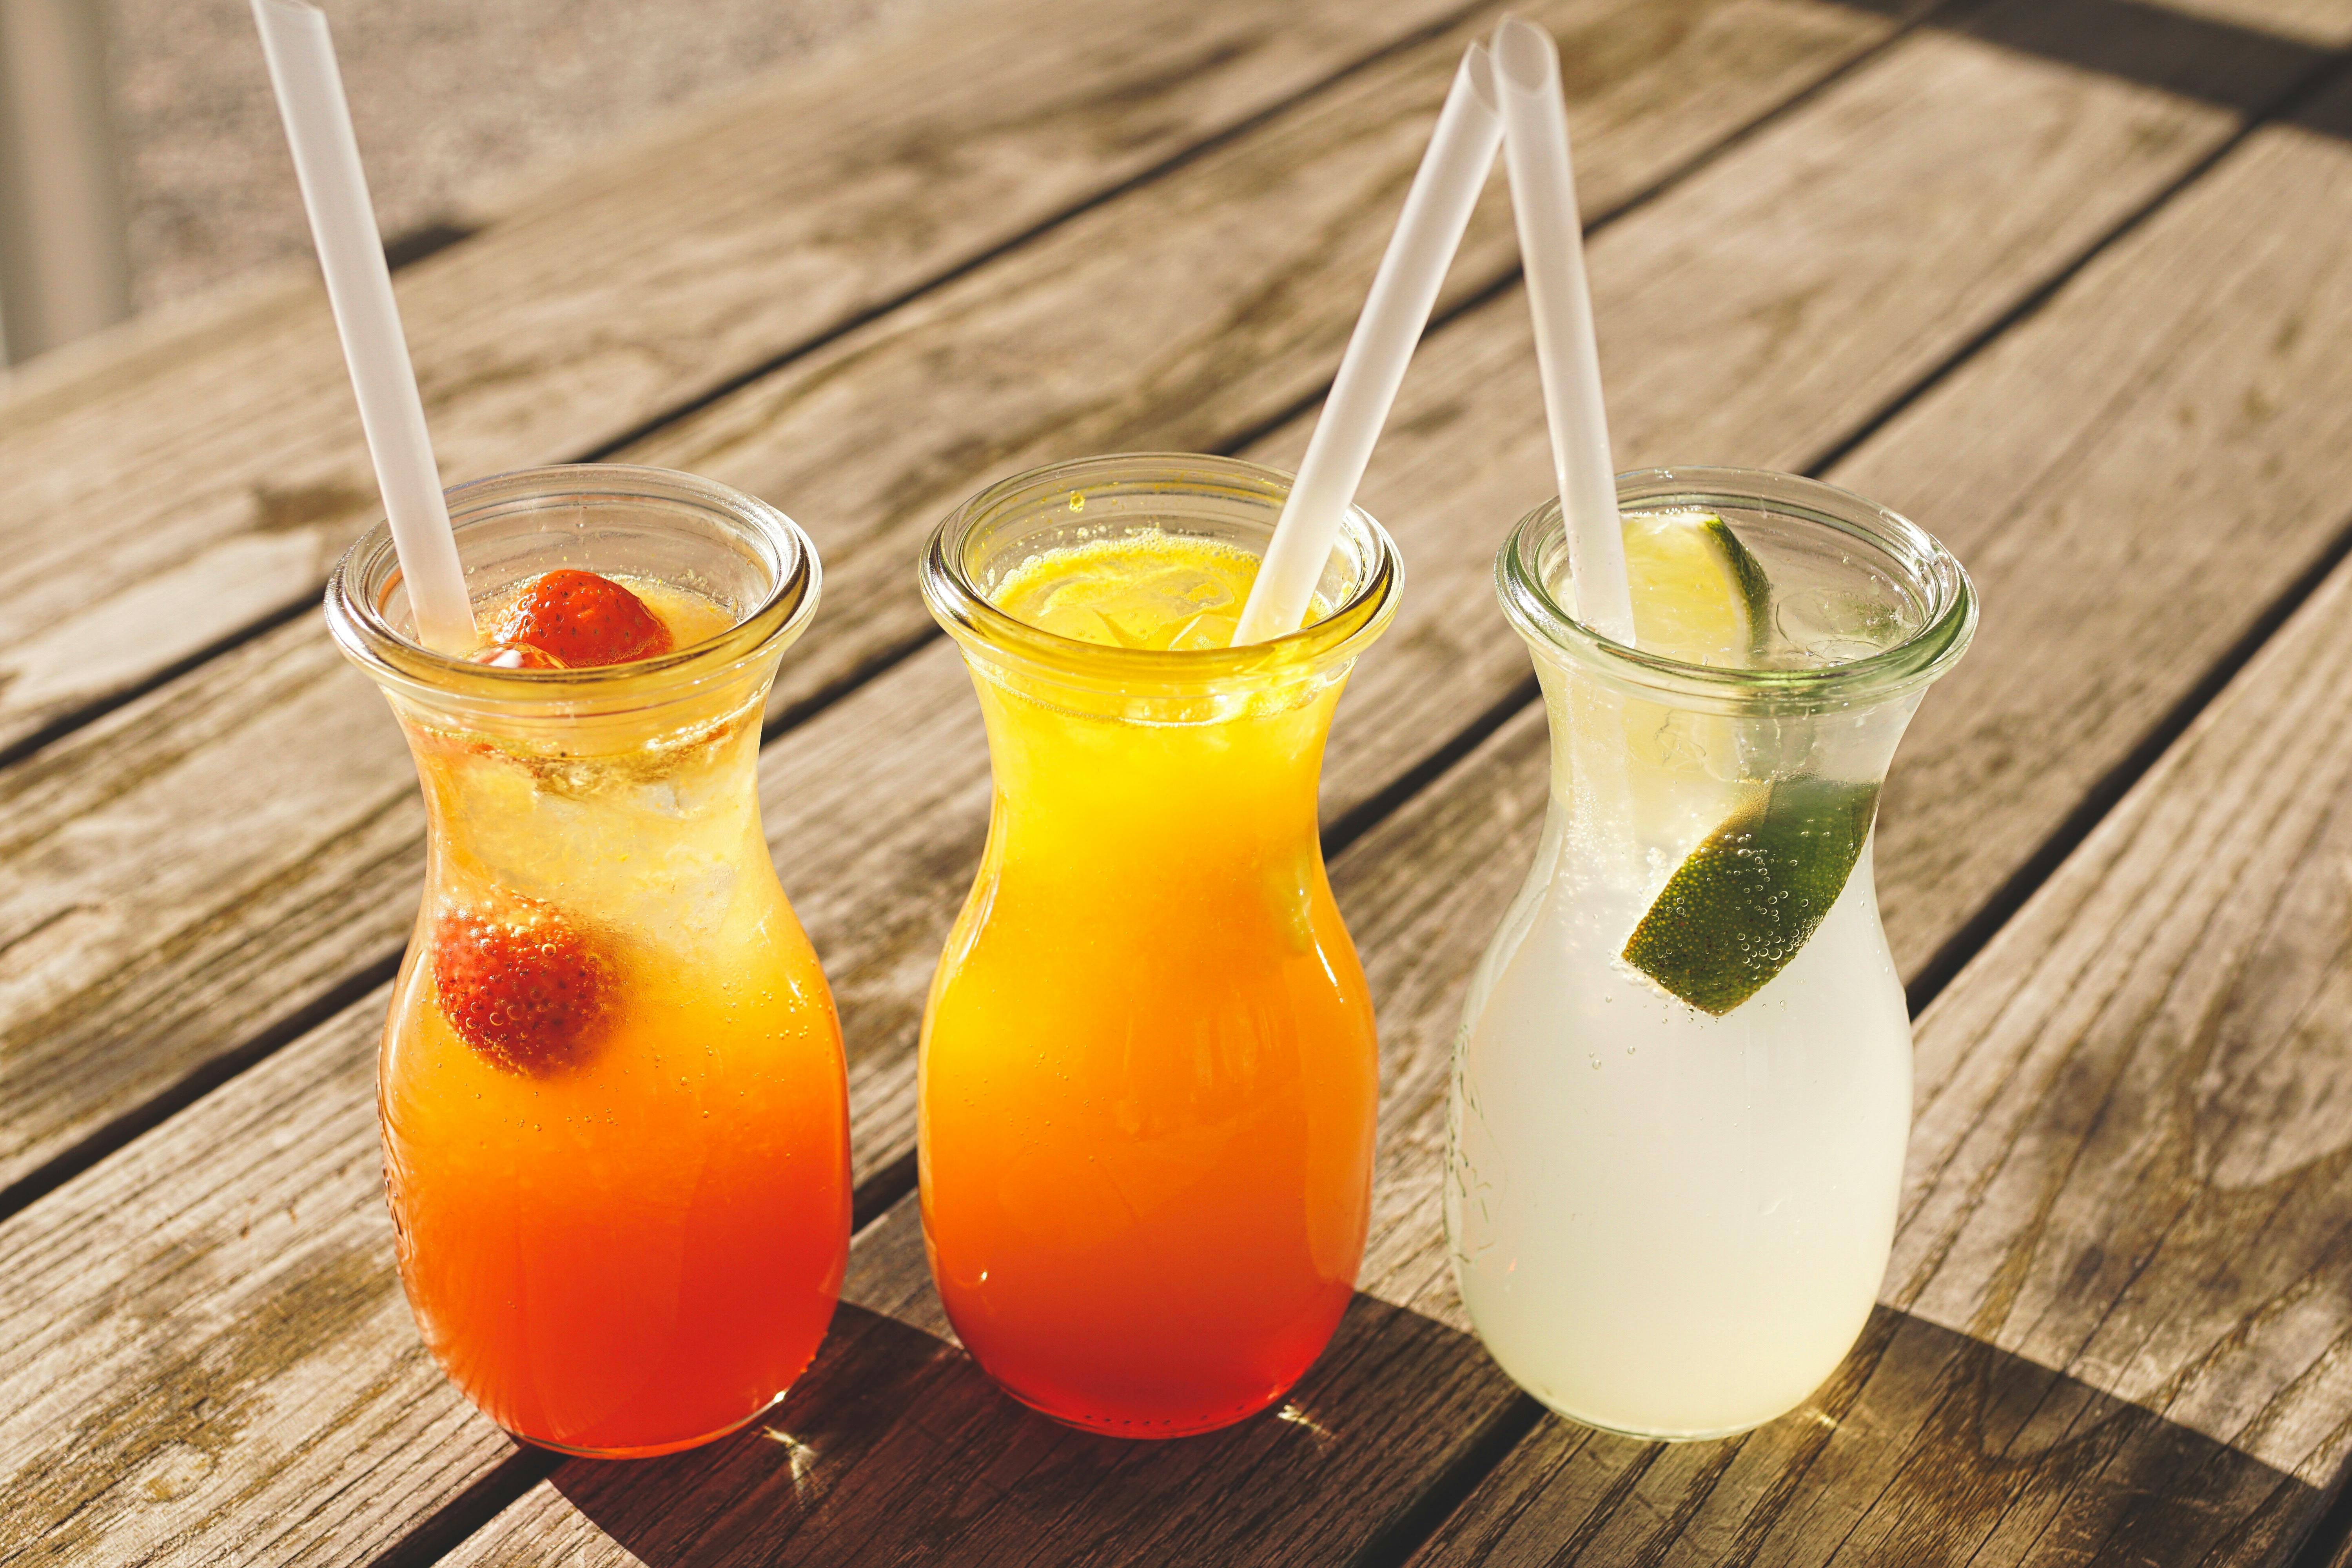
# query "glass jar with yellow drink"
(1149, 1069)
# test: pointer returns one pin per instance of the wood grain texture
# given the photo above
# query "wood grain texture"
(206, 1348)
(234, 962)
(2178, 419)
(271, 794)
(2327, 22)
(2120, 1315)
(1219, 302)
(1421, 932)
(2120, 1322)
(1926, 1449)
(151, 505)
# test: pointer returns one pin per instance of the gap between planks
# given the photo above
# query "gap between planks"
(224, 457)
(872, 618)
(2216, 233)
(925, 941)
(904, 650)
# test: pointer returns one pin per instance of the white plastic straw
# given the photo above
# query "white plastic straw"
(359, 286)
(1405, 290)
(1551, 243)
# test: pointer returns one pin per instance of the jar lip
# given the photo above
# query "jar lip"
(364, 578)
(961, 608)
(1926, 654)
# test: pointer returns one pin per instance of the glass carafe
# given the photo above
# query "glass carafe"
(1148, 1069)
(1682, 1088)
(615, 1111)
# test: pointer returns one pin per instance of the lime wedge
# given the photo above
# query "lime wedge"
(1740, 905)
(1698, 594)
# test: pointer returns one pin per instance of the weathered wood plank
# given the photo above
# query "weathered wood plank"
(1219, 304)
(116, 995)
(1926, 1447)
(2188, 50)
(219, 1294)
(2197, 373)
(1422, 890)
(2118, 1331)
(319, 1442)
(153, 503)
(1427, 931)
(2328, 22)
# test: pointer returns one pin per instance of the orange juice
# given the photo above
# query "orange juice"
(1149, 1067)
(612, 1086)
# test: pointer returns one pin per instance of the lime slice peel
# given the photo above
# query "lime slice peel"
(1743, 903)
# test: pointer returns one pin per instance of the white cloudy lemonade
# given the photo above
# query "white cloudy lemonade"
(1682, 1086)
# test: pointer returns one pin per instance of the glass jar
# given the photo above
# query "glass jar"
(1682, 1088)
(1149, 1069)
(615, 1107)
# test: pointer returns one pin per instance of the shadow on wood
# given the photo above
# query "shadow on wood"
(1926, 1447)
(895, 1447)
(2230, 65)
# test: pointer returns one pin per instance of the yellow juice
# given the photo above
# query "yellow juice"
(1149, 1067)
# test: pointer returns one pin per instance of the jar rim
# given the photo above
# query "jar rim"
(363, 580)
(1923, 656)
(964, 609)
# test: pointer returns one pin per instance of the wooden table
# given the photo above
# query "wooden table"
(2069, 281)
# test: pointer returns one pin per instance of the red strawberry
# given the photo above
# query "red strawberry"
(583, 619)
(521, 656)
(521, 985)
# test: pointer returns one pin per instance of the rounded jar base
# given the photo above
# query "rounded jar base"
(650, 1450)
(1639, 1435)
(1146, 1430)
(1643, 1435)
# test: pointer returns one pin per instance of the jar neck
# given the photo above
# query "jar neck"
(1608, 742)
(734, 550)
(1230, 503)
(1897, 610)
(1100, 786)
(520, 817)
(617, 722)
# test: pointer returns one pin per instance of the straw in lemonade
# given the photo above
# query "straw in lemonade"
(1682, 1086)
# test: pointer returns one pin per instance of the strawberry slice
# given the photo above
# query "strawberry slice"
(522, 985)
(582, 620)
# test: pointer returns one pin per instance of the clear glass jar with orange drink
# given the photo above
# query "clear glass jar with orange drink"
(614, 1114)
(1148, 1069)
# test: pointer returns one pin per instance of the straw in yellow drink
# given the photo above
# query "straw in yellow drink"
(1150, 1071)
